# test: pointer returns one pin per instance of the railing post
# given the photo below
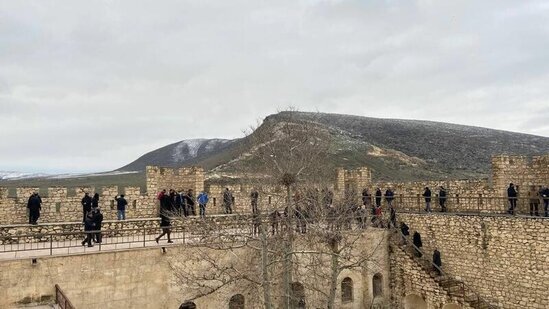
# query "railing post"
(144, 237)
(51, 244)
(479, 202)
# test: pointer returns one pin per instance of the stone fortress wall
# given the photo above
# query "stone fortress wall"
(60, 206)
(143, 278)
(502, 258)
(477, 195)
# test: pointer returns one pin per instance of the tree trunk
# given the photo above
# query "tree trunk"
(264, 269)
(335, 274)
(288, 251)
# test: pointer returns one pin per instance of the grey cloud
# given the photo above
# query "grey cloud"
(124, 77)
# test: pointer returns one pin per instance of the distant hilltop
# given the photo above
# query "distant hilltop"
(394, 149)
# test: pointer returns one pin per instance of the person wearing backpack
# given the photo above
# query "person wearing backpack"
(202, 201)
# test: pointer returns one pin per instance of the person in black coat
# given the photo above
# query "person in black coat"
(417, 243)
(442, 199)
(165, 222)
(545, 196)
(405, 231)
(188, 200)
(179, 202)
(121, 207)
(254, 197)
(86, 206)
(427, 196)
(392, 218)
(165, 205)
(97, 221)
(34, 205)
(437, 260)
(89, 226)
(378, 198)
(512, 196)
(366, 197)
(228, 201)
(389, 197)
(95, 201)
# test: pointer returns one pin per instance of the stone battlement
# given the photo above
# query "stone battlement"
(523, 171)
(63, 204)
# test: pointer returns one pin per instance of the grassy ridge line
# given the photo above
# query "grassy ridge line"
(122, 180)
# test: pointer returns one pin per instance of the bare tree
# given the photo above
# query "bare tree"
(286, 159)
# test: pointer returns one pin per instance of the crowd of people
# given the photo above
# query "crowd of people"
(308, 207)
(536, 196)
(179, 203)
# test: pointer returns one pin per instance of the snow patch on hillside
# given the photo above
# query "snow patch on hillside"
(188, 149)
(65, 176)
(9, 175)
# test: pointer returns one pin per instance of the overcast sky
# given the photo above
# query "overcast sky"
(92, 85)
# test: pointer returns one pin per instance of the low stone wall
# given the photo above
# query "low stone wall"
(126, 279)
(502, 258)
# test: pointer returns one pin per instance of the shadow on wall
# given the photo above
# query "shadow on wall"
(414, 301)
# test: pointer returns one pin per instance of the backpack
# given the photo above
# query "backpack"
(203, 199)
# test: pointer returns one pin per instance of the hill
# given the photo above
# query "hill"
(395, 149)
(185, 152)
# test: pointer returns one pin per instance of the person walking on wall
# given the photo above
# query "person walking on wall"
(254, 197)
(121, 207)
(512, 196)
(275, 218)
(191, 202)
(97, 217)
(165, 221)
(34, 205)
(442, 199)
(172, 194)
(389, 197)
(366, 198)
(178, 206)
(378, 200)
(437, 261)
(545, 196)
(86, 205)
(228, 201)
(202, 202)
(95, 201)
(405, 230)
(166, 205)
(427, 196)
(534, 196)
(392, 217)
(417, 243)
(88, 228)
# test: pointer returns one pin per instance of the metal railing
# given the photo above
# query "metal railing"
(239, 228)
(196, 230)
(61, 299)
(480, 204)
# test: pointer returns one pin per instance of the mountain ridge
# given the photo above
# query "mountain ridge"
(396, 149)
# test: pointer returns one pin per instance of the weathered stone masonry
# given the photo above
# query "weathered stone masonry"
(478, 195)
(504, 259)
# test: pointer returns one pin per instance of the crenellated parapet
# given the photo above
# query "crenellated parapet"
(184, 178)
(523, 171)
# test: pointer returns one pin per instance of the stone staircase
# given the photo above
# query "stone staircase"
(455, 288)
